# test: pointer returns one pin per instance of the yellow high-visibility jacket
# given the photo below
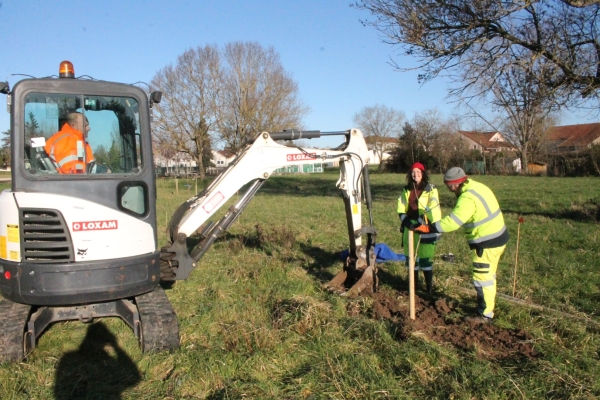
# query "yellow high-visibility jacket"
(478, 212)
(428, 205)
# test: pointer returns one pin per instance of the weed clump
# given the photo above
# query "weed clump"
(586, 211)
(300, 314)
(270, 239)
(280, 236)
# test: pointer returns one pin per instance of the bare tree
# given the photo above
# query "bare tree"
(468, 39)
(228, 96)
(379, 122)
(527, 108)
(258, 94)
(188, 112)
(163, 148)
(437, 135)
(447, 147)
(428, 125)
(444, 146)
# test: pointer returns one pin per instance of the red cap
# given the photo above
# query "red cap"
(417, 165)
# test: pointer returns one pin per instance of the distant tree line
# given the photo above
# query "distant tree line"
(429, 138)
(433, 140)
(5, 149)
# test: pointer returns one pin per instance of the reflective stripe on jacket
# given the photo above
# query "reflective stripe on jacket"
(478, 212)
(66, 148)
(428, 204)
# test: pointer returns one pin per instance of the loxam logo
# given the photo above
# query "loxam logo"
(94, 225)
(303, 156)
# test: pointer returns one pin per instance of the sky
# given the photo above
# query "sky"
(340, 65)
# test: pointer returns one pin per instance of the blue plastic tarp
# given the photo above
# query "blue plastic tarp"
(382, 254)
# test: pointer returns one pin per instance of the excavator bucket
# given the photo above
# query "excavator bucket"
(356, 277)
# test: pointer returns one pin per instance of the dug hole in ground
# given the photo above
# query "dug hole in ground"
(440, 320)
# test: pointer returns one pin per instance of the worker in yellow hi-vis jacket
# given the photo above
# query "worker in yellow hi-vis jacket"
(419, 204)
(478, 212)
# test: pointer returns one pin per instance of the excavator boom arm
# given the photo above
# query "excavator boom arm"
(255, 164)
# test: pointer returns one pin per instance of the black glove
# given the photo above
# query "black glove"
(405, 223)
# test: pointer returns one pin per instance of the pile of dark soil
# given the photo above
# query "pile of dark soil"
(442, 321)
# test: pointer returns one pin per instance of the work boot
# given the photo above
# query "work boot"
(479, 319)
(429, 281)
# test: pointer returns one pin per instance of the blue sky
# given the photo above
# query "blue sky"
(340, 65)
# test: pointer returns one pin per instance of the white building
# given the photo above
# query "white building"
(179, 165)
(222, 158)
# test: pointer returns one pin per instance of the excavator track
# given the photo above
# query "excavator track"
(12, 328)
(159, 328)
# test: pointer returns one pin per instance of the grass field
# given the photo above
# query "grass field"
(255, 323)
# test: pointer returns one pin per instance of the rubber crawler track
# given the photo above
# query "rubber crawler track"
(160, 329)
(12, 327)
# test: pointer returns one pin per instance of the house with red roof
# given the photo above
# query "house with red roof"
(569, 138)
(486, 142)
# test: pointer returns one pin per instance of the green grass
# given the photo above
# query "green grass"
(255, 322)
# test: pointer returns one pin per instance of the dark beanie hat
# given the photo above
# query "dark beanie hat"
(455, 176)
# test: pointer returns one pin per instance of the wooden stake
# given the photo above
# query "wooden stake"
(517, 255)
(176, 186)
(411, 274)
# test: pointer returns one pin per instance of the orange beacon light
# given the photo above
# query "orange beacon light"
(66, 70)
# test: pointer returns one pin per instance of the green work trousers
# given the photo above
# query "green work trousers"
(424, 252)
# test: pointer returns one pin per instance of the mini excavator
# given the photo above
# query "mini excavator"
(84, 246)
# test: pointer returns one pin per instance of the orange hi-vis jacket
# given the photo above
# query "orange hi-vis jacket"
(65, 147)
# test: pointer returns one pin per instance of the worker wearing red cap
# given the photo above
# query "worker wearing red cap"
(419, 204)
(478, 212)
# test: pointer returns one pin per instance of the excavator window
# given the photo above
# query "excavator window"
(81, 134)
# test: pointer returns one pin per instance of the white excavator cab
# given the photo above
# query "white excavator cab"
(78, 226)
